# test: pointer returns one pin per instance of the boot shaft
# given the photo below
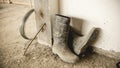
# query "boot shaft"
(61, 29)
(61, 26)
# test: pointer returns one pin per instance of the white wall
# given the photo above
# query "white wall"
(104, 14)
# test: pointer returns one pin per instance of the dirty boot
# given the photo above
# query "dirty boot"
(60, 36)
(81, 43)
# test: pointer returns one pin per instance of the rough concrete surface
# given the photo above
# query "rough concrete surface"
(38, 56)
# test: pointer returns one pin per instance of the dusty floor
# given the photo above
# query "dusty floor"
(38, 56)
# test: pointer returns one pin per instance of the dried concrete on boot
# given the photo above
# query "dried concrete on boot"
(60, 37)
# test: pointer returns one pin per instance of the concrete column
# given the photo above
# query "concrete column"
(45, 9)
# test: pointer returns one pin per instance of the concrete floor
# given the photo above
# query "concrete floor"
(38, 56)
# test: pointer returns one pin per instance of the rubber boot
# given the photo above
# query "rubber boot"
(60, 36)
(80, 44)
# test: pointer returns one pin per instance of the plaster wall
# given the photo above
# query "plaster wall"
(104, 14)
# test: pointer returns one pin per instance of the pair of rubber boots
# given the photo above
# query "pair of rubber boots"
(60, 47)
